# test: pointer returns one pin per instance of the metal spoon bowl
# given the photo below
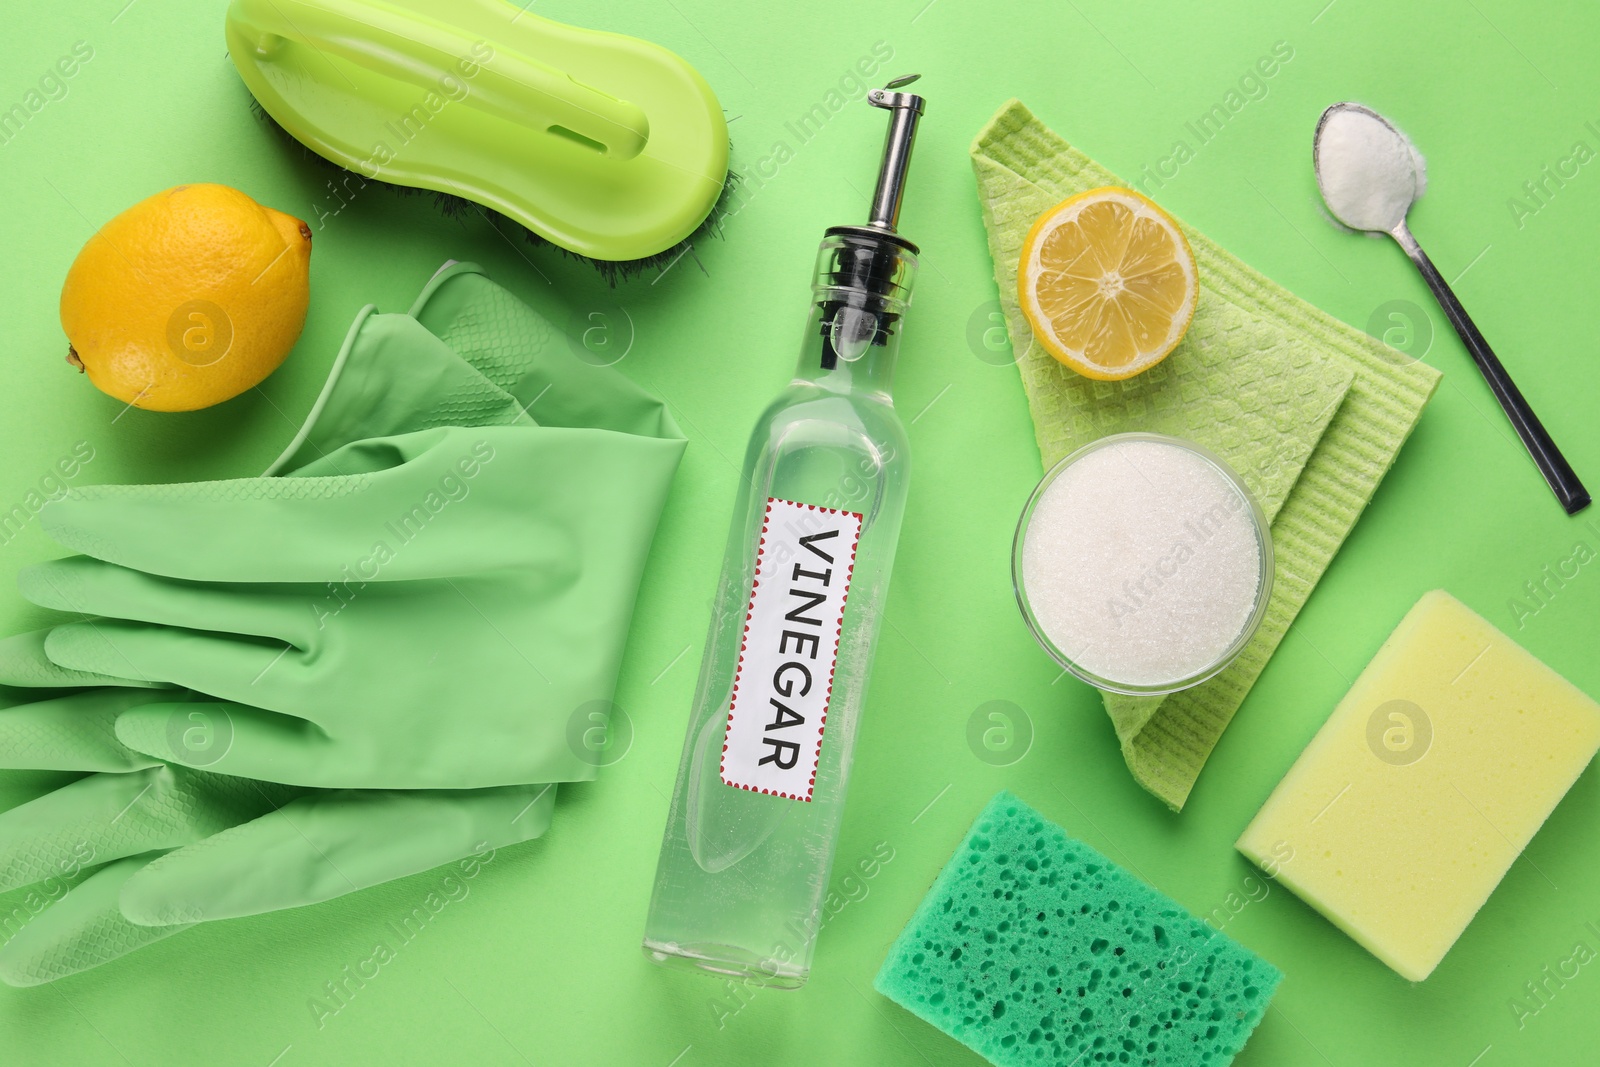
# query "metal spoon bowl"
(1374, 191)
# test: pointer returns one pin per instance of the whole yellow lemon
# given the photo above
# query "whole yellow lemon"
(188, 298)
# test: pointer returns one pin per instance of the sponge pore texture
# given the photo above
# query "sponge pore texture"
(1033, 948)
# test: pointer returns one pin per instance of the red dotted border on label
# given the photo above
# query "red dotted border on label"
(744, 637)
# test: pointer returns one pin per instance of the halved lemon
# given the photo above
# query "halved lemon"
(1108, 283)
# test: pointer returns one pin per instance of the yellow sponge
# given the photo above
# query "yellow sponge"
(1433, 773)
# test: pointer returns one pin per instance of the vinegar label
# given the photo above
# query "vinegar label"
(789, 648)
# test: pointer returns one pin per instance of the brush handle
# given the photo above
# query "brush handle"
(412, 48)
(1564, 481)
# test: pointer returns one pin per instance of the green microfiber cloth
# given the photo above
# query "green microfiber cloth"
(1032, 948)
(1307, 410)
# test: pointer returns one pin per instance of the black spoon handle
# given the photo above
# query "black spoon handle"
(1552, 464)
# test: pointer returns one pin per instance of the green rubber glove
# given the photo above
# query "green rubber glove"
(137, 850)
(442, 605)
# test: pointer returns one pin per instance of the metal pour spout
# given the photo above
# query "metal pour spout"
(905, 109)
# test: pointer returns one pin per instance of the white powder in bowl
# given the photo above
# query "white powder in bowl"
(1368, 171)
(1141, 562)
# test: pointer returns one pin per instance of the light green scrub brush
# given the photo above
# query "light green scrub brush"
(609, 147)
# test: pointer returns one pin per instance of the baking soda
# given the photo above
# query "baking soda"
(1368, 171)
(1141, 562)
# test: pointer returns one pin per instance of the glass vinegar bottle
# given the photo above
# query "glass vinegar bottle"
(755, 812)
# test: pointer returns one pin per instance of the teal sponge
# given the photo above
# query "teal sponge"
(1032, 948)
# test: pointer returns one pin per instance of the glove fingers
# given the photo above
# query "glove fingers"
(23, 663)
(76, 732)
(94, 819)
(238, 740)
(325, 845)
(92, 587)
(341, 528)
(219, 665)
(84, 929)
(446, 502)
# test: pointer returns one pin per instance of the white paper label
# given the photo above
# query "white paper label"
(790, 645)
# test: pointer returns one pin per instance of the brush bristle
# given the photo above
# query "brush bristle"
(457, 207)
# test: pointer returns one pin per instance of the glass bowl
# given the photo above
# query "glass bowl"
(1191, 678)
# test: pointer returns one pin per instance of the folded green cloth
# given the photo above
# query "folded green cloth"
(1307, 410)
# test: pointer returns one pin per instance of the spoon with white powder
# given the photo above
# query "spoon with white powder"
(1370, 174)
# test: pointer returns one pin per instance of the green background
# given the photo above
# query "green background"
(540, 962)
